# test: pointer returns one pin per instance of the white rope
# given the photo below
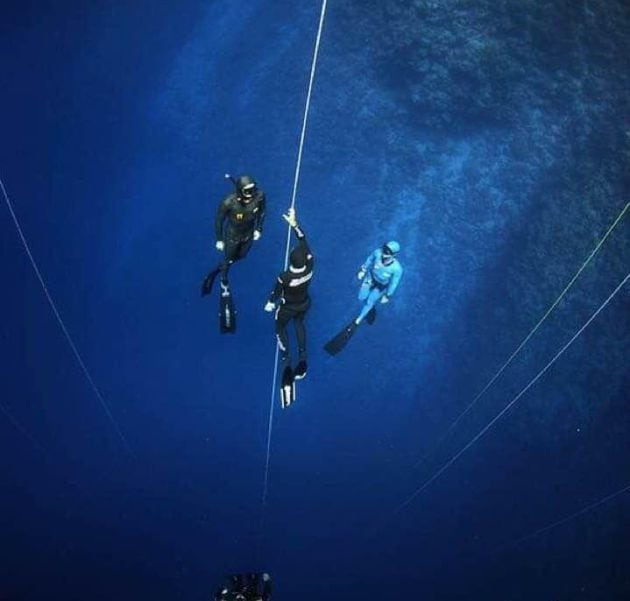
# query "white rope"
(296, 179)
(62, 325)
(566, 519)
(527, 338)
(511, 403)
(18, 426)
(39, 448)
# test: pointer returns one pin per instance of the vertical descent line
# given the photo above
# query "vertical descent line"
(296, 180)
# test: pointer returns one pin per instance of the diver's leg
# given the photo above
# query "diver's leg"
(366, 287)
(243, 249)
(231, 251)
(282, 319)
(373, 297)
(287, 383)
(300, 333)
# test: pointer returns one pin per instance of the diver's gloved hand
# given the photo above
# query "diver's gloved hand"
(269, 307)
(384, 299)
(290, 217)
(257, 235)
(361, 274)
(220, 245)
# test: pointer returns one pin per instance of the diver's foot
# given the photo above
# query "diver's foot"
(300, 370)
(287, 387)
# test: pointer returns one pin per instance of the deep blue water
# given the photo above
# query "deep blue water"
(492, 139)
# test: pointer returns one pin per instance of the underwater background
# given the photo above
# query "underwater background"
(491, 138)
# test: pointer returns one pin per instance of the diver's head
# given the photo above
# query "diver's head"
(389, 251)
(297, 259)
(245, 188)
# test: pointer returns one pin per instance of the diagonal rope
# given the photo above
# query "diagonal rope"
(533, 381)
(41, 451)
(567, 518)
(527, 338)
(296, 180)
(21, 429)
(62, 325)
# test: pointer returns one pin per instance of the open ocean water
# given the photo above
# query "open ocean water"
(491, 138)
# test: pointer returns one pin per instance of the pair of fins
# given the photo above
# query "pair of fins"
(287, 386)
(227, 309)
(338, 343)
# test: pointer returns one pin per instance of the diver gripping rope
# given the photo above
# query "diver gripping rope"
(62, 325)
(533, 381)
(527, 338)
(296, 180)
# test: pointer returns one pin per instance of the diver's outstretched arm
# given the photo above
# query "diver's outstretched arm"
(291, 219)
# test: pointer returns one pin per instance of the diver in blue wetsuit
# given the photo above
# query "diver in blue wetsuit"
(380, 276)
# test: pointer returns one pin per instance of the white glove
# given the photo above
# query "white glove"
(220, 245)
(290, 218)
(361, 274)
(257, 235)
(269, 307)
(384, 299)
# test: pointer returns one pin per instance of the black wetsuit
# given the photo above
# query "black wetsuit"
(235, 224)
(291, 292)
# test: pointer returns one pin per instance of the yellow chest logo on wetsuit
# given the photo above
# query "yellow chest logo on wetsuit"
(239, 216)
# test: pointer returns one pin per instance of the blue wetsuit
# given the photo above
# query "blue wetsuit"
(379, 280)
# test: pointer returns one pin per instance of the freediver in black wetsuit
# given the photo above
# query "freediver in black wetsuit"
(238, 224)
(291, 301)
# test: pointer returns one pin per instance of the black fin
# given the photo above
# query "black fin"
(206, 286)
(287, 387)
(338, 343)
(371, 316)
(227, 314)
